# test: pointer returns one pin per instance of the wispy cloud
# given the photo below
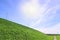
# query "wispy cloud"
(47, 15)
(36, 14)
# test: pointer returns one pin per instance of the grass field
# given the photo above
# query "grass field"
(51, 37)
(58, 37)
(13, 31)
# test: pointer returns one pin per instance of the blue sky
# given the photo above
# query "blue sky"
(42, 15)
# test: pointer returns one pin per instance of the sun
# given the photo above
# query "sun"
(30, 10)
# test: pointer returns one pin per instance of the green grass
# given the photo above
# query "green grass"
(51, 37)
(58, 37)
(13, 31)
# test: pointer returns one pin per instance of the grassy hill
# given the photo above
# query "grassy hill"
(13, 31)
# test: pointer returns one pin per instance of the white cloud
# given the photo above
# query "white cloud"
(51, 30)
(51, 14)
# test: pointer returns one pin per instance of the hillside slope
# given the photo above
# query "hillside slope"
(13, 31)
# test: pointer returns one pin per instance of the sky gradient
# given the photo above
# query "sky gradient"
(42, 15)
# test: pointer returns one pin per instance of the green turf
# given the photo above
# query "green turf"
(58, 37)
(51, 37)
(13, 31)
